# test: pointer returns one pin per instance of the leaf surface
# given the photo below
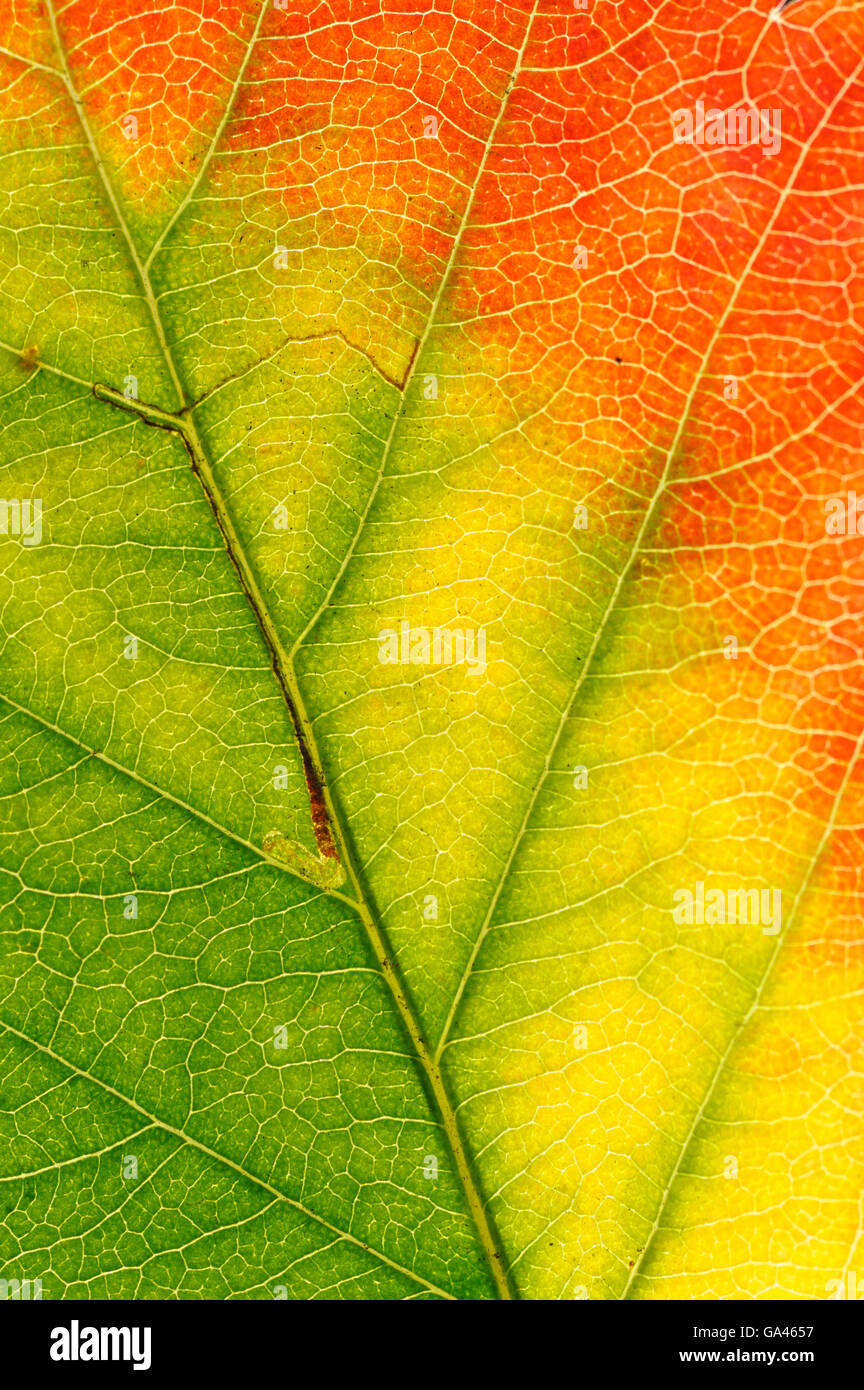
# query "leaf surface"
(340, 978)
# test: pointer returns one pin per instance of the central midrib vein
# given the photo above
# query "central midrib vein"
(181, 420)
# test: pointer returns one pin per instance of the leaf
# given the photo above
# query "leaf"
(338, 336)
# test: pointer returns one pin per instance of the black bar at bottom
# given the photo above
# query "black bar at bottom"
(228, 1342)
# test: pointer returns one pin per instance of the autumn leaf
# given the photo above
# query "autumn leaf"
(431, 687)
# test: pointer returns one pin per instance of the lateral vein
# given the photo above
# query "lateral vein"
(221, 1158)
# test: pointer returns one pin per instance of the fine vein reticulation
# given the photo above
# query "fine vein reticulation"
(331, 838)
(511, 846)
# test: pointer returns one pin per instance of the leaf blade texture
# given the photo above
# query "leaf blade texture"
(330, 976)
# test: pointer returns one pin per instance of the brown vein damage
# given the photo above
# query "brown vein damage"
(327, 823)
(185, 428)
(315, 786)
(332, 841)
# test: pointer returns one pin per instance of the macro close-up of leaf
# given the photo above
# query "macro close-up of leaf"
(431, 687)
